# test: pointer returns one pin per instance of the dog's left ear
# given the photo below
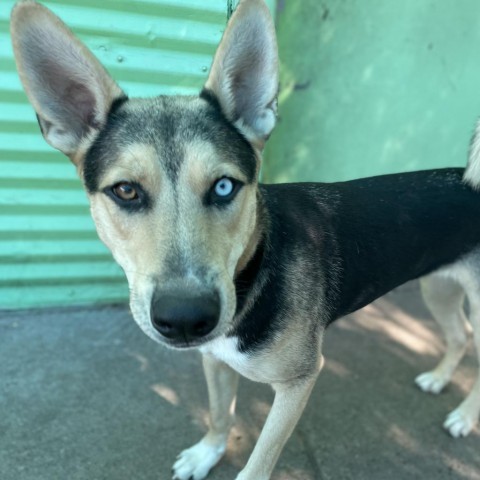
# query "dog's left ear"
(244, 73)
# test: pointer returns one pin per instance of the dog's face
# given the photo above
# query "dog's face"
(172, 188)
(172, 181)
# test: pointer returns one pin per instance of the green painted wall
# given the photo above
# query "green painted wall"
(374, 86)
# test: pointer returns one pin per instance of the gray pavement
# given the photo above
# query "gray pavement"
(85, 395)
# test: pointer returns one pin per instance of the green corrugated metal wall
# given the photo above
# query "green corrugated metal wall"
(49, 251)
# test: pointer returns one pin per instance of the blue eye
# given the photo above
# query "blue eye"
(223, 191)
(223, 187)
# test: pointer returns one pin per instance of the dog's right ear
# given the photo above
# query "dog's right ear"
(68, 87)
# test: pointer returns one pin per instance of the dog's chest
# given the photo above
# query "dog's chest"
(248, 365)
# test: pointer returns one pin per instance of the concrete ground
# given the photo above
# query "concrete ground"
(85, 395)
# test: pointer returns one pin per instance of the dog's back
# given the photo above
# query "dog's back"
(399, 227)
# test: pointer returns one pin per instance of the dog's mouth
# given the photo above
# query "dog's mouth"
(185, 344)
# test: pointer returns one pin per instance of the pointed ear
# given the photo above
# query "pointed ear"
(68, 87)
(244, 73)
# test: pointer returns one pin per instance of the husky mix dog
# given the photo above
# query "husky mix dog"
(249, 274)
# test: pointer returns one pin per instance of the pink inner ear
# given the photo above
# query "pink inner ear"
(83, 101)
(245, 85)
(67, 95)
(55, 77)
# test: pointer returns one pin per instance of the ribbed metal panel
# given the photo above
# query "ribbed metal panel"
(49, 251)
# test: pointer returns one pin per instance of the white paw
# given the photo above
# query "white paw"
(195, 462)
(460, 422)
(431, 382)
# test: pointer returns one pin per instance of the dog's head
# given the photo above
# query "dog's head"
(172, 181)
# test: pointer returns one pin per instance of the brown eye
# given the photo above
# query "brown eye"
(125, 191)
(129, 196)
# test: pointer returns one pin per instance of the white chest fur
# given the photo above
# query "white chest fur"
(226, 350)
(260, 366)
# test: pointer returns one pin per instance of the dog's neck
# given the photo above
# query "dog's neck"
(256, 239)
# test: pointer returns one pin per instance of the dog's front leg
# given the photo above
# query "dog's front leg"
(195, 462)
(288, 405)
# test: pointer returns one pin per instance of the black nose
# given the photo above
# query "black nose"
(178, 317)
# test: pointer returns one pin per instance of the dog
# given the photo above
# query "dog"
(249, 274)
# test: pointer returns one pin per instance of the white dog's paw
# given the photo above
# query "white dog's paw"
(460, 422)
(431, 382)
(195, 462)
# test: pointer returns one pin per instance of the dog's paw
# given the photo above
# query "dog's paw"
(460, 422)
(431, 382)
(195, 462)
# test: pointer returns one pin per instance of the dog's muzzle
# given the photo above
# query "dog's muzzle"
(185, 319)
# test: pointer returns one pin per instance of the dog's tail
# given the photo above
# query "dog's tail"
(472, 172)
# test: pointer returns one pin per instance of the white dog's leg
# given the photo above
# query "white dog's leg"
(444, 297)
(195, 462)
(463, 419)
(289, 403)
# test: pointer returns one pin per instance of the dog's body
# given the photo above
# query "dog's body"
(249, 274)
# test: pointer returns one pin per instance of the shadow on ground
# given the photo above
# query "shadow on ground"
(85, 395)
